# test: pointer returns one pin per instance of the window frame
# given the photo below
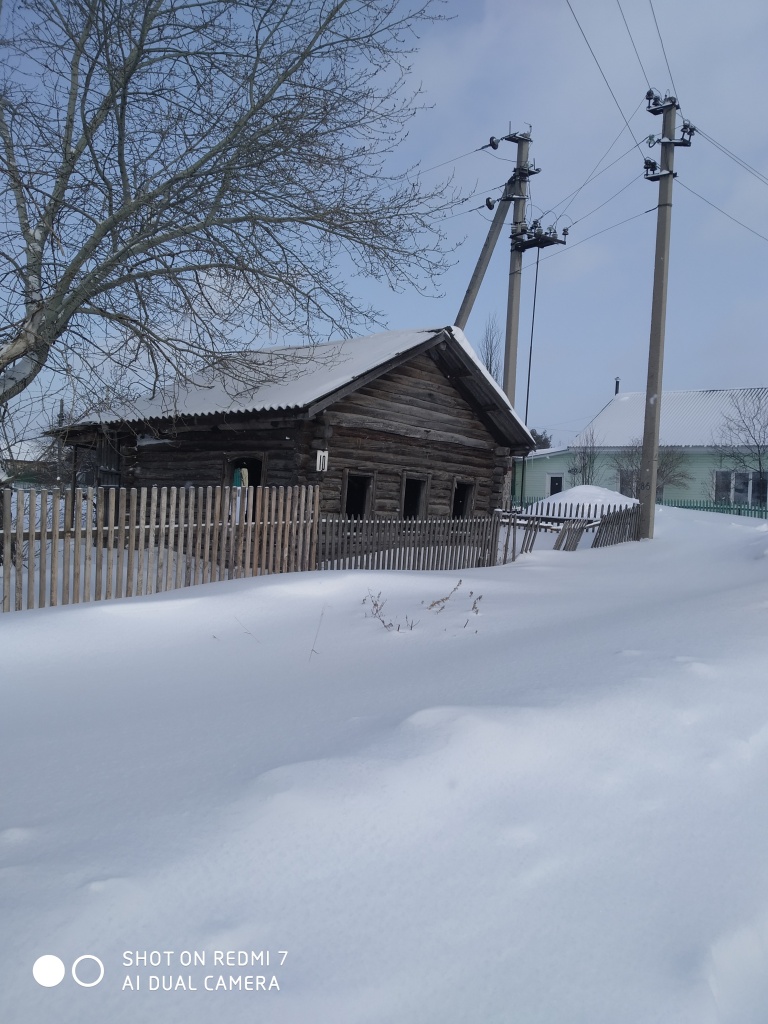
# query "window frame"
(368, 474)
(231, 457)
(462, 481)
(425, 479)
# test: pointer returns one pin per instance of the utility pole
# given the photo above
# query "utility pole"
(522, 173)
(523, 237)
(665, 175)
(486, 252)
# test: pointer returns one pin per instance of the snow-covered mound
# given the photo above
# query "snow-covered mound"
(541, 800)
(582, 498)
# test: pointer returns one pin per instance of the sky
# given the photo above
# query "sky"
(496, 65)
(459, 821)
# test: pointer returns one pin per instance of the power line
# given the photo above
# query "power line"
(573, 245)
(626, 26)
(593, 175)
(610, 90)
(453, 160)
(737, 159)
(658, 32)
(605, 203)
(728, 215)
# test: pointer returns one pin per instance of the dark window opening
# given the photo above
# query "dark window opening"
(741, 488)
(723, 486)
(555, 485)
(759, 489)
(358, 495)
(412, 498)
(462, 500)
(246, 472)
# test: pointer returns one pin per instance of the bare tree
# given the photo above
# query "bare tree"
(490, 348)
(743, 435)
(583, 463)
(175, 176)
(742, 442)
(671, 467)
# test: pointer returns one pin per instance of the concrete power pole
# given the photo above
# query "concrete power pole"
(665, 176)
(485, 255)
(523, 237)
(522, 173)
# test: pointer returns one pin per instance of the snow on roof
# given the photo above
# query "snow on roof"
(688, 418)
(275, 379)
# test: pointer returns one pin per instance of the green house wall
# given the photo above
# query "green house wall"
(701, 464)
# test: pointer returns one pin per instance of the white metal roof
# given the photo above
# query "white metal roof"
(275, 379)
(688, 418)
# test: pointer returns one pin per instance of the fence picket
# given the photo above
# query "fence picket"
(55, 513)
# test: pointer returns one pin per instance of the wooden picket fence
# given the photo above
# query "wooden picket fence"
(97, 544)
(433, 542)
(618, 527)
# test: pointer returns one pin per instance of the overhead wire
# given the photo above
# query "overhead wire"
(663, 49)
(637, 177)
(453, 160)
(629, 33)
(737, 159)
(599, 68)
(574, 245)
(719, 210)
(593, 175)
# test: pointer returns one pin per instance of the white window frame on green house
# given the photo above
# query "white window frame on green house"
(733, 491)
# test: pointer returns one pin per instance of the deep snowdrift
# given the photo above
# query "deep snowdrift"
(544, 802)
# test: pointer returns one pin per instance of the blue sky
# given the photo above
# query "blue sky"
(497, 64)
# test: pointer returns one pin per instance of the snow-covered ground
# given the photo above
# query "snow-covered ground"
(544, 803)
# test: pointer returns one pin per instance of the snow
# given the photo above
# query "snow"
(688, 418)
(585, 494)
(543, 803)
(289, 378)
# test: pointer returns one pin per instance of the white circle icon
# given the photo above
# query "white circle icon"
(87, 956)
(48, 970)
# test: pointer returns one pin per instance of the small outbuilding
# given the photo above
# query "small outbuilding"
(403, 423)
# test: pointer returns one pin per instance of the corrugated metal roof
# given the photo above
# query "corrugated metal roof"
(688, 418)
(289, 378)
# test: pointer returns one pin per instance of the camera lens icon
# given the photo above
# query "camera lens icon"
(49, 970)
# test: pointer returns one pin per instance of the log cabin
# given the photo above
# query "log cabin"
(405, 423)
